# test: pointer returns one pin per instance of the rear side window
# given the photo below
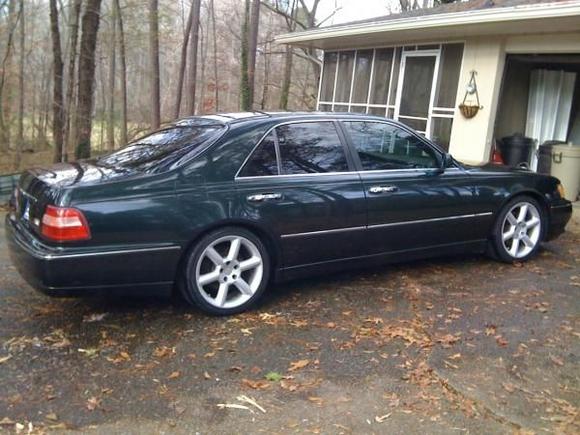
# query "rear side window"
(383, 146)
(301, 148)
(158, 151)
(263, 161)
(312, 147)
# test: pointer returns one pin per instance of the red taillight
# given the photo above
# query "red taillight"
(62, 224)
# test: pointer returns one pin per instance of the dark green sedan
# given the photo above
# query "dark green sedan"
(219, 206)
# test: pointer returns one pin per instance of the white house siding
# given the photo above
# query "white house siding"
(471, 139)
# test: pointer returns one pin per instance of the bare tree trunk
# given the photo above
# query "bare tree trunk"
(70, 115)
(253, 48)
(265, 85)
(183, 61)
(90, 29)
(215, 57)
(20, 136)
(203, 56)
(5, 78)
(193, 46)
(111, 90)
(287, 80)
(57, 97)
(245, 97)
(154, 64)
(123, 65)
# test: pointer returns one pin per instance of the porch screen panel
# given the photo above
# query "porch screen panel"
(344, 77)
(441, 131)
(395, 78)
(362, 76)
(448, 78)
(381, 76)
(327, 84)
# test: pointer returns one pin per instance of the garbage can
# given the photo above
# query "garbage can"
(516, 149)
(544, 154)
(566, 167)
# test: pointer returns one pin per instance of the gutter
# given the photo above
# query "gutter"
(504, 14)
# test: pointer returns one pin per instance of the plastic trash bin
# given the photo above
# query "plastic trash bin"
(566, 167)
(516, 149)
(544, 154)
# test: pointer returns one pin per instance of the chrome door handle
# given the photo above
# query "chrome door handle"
(383, 189)
(259, 197)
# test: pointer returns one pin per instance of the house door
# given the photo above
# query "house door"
(416, 89)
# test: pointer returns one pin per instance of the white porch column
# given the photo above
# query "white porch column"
(471, 139)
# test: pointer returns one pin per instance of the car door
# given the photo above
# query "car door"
(300, 184)
(411, 203)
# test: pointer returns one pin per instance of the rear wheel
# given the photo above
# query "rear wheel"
(226, 272)
(518, 230)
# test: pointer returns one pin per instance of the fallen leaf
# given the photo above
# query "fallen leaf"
(236, 369)
(316, 400)
(510, 388)
(52, 416)
(93, 403)
(331, 325)
(556, 360)
(174, 375)
(206, 375)
(256, 385)
(297, 365)
(501, 341)
(455, 356)
(89, 353)
(5, 358)
(163, 351)
(490, 330)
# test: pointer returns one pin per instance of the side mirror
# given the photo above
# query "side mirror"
(446, 159)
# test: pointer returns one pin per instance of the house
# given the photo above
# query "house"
(514, 64)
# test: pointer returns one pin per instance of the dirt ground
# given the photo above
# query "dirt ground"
(454, 345)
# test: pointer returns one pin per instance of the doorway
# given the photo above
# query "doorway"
(416, 89)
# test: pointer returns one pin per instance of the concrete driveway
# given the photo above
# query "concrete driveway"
(451, 345)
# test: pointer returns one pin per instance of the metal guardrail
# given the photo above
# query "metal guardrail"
(7, 185)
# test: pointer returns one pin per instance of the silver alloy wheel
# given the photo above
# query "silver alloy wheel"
(229, 271)
(521, 229)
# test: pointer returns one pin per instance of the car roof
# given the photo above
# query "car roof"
(251, 117)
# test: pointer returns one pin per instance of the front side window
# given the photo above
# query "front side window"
(310, 147)
(383, 146)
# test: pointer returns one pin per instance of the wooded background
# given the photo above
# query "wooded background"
(83, 77)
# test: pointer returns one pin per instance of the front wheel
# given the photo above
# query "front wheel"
(518, 230)
(226, 272)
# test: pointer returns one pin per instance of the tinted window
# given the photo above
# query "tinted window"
(310, 147)
(383, 146)
(263, 160)
(159, 150)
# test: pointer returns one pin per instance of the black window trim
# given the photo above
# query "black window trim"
(339, 131)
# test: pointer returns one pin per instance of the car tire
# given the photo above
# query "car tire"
(226, 272)
(518, 230)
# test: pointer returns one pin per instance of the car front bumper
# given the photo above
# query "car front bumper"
(79, 271)
(560, 214)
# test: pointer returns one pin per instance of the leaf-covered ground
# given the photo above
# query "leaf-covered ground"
(452, 345)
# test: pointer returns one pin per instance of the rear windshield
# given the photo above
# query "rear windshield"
(160, 150)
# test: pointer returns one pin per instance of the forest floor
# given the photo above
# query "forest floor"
(444, 346)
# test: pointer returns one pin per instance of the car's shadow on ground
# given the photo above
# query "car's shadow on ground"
(278, 294)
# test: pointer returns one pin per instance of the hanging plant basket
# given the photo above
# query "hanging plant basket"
(469, 110)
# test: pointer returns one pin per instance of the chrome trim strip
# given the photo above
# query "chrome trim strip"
(418, 221)
(312, 233)
(103, 253)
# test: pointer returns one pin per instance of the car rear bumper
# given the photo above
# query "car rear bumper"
(560, 214)
(81, 271)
